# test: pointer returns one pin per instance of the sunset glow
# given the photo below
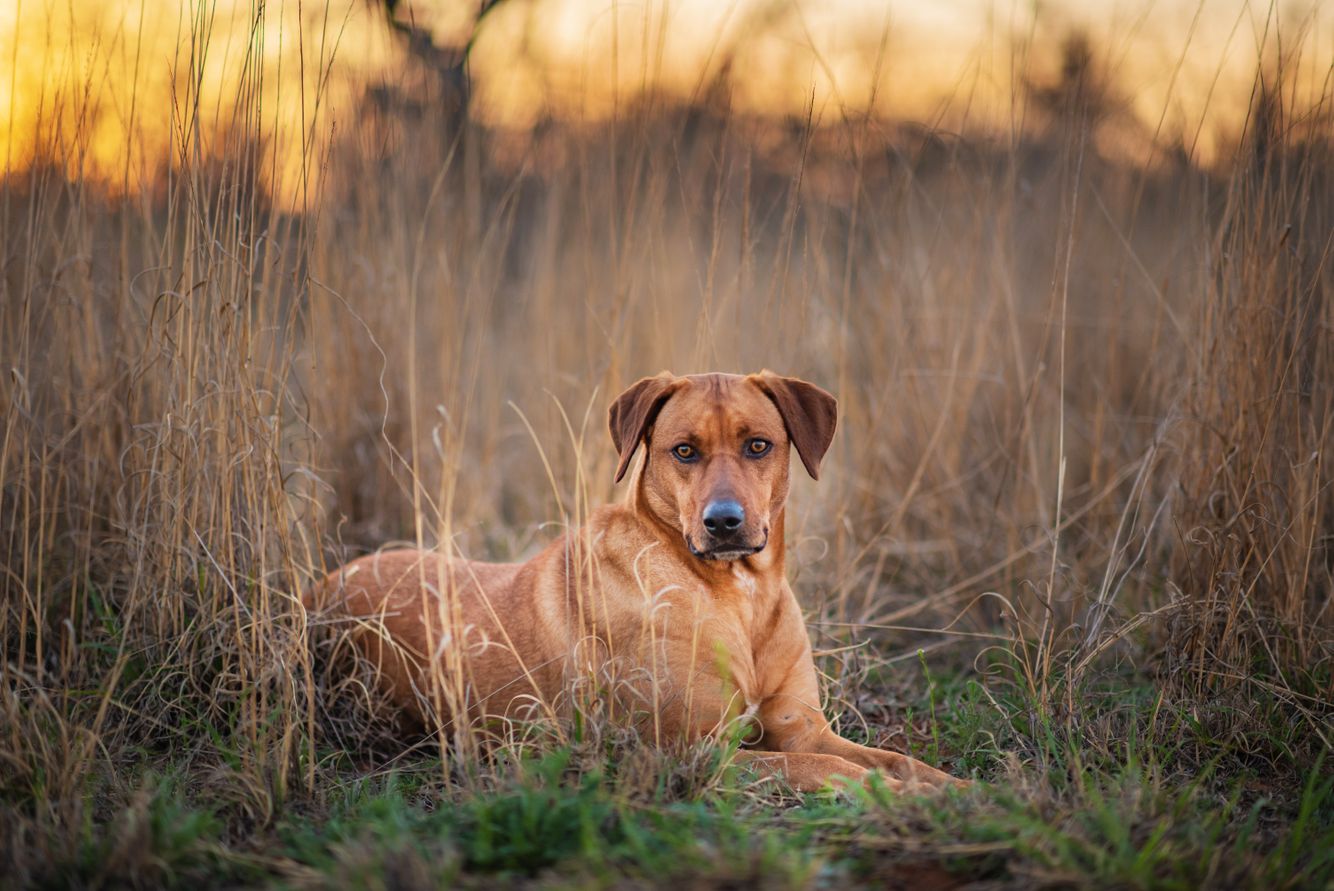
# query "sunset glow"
(95, 87)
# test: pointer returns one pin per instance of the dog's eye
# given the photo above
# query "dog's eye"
(685, 452)
(757, 447)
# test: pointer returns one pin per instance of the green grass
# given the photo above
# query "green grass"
(535, 825)
(1130, 799)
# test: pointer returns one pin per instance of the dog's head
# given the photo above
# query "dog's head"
(717, 452)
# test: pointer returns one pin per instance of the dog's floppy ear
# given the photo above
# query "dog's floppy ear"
(809, 413)
(633, 413)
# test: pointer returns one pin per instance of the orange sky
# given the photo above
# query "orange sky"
(110, 72)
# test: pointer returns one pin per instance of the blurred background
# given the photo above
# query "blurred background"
(284, 282)
(1184, 72)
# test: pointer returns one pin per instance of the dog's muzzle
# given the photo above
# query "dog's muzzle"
(725, 551)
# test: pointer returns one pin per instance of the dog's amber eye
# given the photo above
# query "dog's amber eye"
(757, 447)
(685, 452)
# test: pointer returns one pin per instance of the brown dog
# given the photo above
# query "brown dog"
(680, 592)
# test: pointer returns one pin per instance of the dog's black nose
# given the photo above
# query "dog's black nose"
(723, 517)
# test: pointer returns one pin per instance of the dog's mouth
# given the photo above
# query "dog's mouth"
(726, 552)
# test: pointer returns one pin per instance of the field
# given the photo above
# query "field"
(1073, 538)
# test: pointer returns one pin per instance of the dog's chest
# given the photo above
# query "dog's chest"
(741, 606)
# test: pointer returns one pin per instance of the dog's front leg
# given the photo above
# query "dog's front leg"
(796, 724)
(791, 717)
(807, 771)
(903, 767)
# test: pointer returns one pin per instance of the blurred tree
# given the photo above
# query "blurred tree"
(447, 60)
(1082, 94)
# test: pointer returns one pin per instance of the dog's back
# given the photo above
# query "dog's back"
(439, 630)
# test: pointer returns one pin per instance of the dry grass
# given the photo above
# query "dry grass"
(1086, 420)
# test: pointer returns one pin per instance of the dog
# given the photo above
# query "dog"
(681, 586)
